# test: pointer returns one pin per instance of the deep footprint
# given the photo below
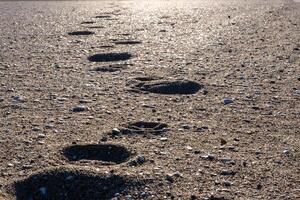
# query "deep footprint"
(71, 184)
(110, 57)
(101, 152)
(81, 33)
(170, 87)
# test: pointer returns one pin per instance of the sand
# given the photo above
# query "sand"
(150, 100)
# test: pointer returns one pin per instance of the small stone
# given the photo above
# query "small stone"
(169, 178)
(18, 99)
(208, 157)
(49, 126)
(116, 131)
(141, 159)
(163, 139)
(57, 66)
(10, 164)
(223, 142)
(259, 187)
(286, 151)
(144, 194)
(41, 135)
(79, 109)
(177, 174)
(227, 160)
(189, 148)
(187, 126)
(227, 173)
(227, 183)
(227, 101)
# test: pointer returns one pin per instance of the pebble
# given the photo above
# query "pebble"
(208, 157)
(10, 164)
(286, 151)
(227, 173)
(223, 142)
(187, 126)
(177, 174)
(227, 160)
(227, 183)
(169, 178)
(189, 148)
(49, 126)
(18, 99)
(79, 109)
(141, 159)
(227, 101)
(163, 139)
(116, 131)
(41, 135)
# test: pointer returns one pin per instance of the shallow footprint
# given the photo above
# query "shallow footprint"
(88, 22)
(71, 184)
(110, 68)
(142, 128)
(109, 57)
(102, 152)
(81, 33)
(170, 87)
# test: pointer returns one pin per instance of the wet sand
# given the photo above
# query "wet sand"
(150, 100)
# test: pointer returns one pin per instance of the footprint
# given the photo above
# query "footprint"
(72, 184)
(81, 33)
(127, 42)
(147, 78)
(110, 68)
(95, 27)
(88, 22)
(169, 87)
(103, 16)
(102, 152)
(142, 128)
(109, 57)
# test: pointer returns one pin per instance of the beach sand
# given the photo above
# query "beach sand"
(150, 100)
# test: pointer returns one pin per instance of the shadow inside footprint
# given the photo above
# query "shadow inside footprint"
(103, 16)
(147, 78)
(127, 42)
(109, 57)
(71, 184)
(88, 22)
(170, 87)
(101, 152)
(81, 33)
